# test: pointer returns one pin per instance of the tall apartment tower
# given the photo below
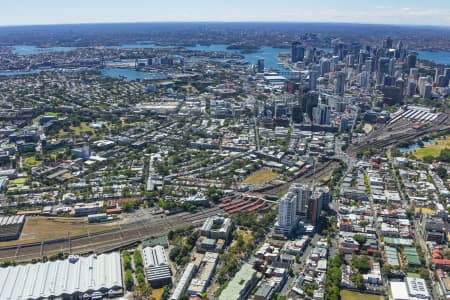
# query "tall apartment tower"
(298, 52)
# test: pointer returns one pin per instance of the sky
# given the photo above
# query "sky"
(413, 12)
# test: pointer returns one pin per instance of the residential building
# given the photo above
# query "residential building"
(241, 284)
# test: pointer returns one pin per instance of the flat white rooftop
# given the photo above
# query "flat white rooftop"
(64, 277)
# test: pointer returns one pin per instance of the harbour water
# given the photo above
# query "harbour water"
(131, 74)
(29, 50)
(269, 54)
(438, 57)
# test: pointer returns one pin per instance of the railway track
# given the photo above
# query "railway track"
(105, 241)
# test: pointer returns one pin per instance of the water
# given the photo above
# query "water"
(15, 73)
(29, 50)
(269, 54)
(438, 57)
(131, 74)
(414, 147)
(142, 46)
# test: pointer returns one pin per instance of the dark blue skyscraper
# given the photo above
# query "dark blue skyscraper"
(298, 52)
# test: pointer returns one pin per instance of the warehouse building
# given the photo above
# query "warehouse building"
(11, 227)
(76, 277)
(157, 266)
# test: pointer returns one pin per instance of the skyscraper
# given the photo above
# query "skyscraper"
(412, 59)
(313, 75)
(340, 83)
(321, 114)
(303, 193)
(260, 65)
(298, 52)
(325, 66)
(447, 76)
(287, 218)
(387, 43)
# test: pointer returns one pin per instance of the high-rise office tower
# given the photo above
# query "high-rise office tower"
(391, 66)
(298, 52)
(414, 73)
(369, 66)
(363, 54)
(447, 76)
(364, 80)
(387, 43)
(437, 73)
(340, 83)
(412, 86)
(321, 114)
(412, 59)
(325, 66)
(260, 65)
(313, 75)
(383, 65)
(427, 91)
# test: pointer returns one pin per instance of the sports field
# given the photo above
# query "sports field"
(350, 295)
(433, 149)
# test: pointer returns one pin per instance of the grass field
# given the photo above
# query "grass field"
(32, 162)
(350, 295)
(18, 182)
(43, 228)
(261, 177)
(433, 149)
(78, 130)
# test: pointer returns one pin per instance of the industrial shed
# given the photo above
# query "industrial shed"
(73, 277)
(11, 227)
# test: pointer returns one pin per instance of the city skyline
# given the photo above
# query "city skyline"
(435, 13)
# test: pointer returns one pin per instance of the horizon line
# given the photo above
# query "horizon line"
(227, 22)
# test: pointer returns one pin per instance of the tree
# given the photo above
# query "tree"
(428, 159)
(140, 278)
(360, 238)
(359, 281)
(138, 262)
(445, 155)
(126, 261)
(142, 291)
(129, 281)
(128, 206)
(291, 271)
(363, 224)
(361, 263)
(410, 212)
(166, 293)
(442, 172)
(377, 256)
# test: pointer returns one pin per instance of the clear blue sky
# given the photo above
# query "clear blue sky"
(26, 12)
